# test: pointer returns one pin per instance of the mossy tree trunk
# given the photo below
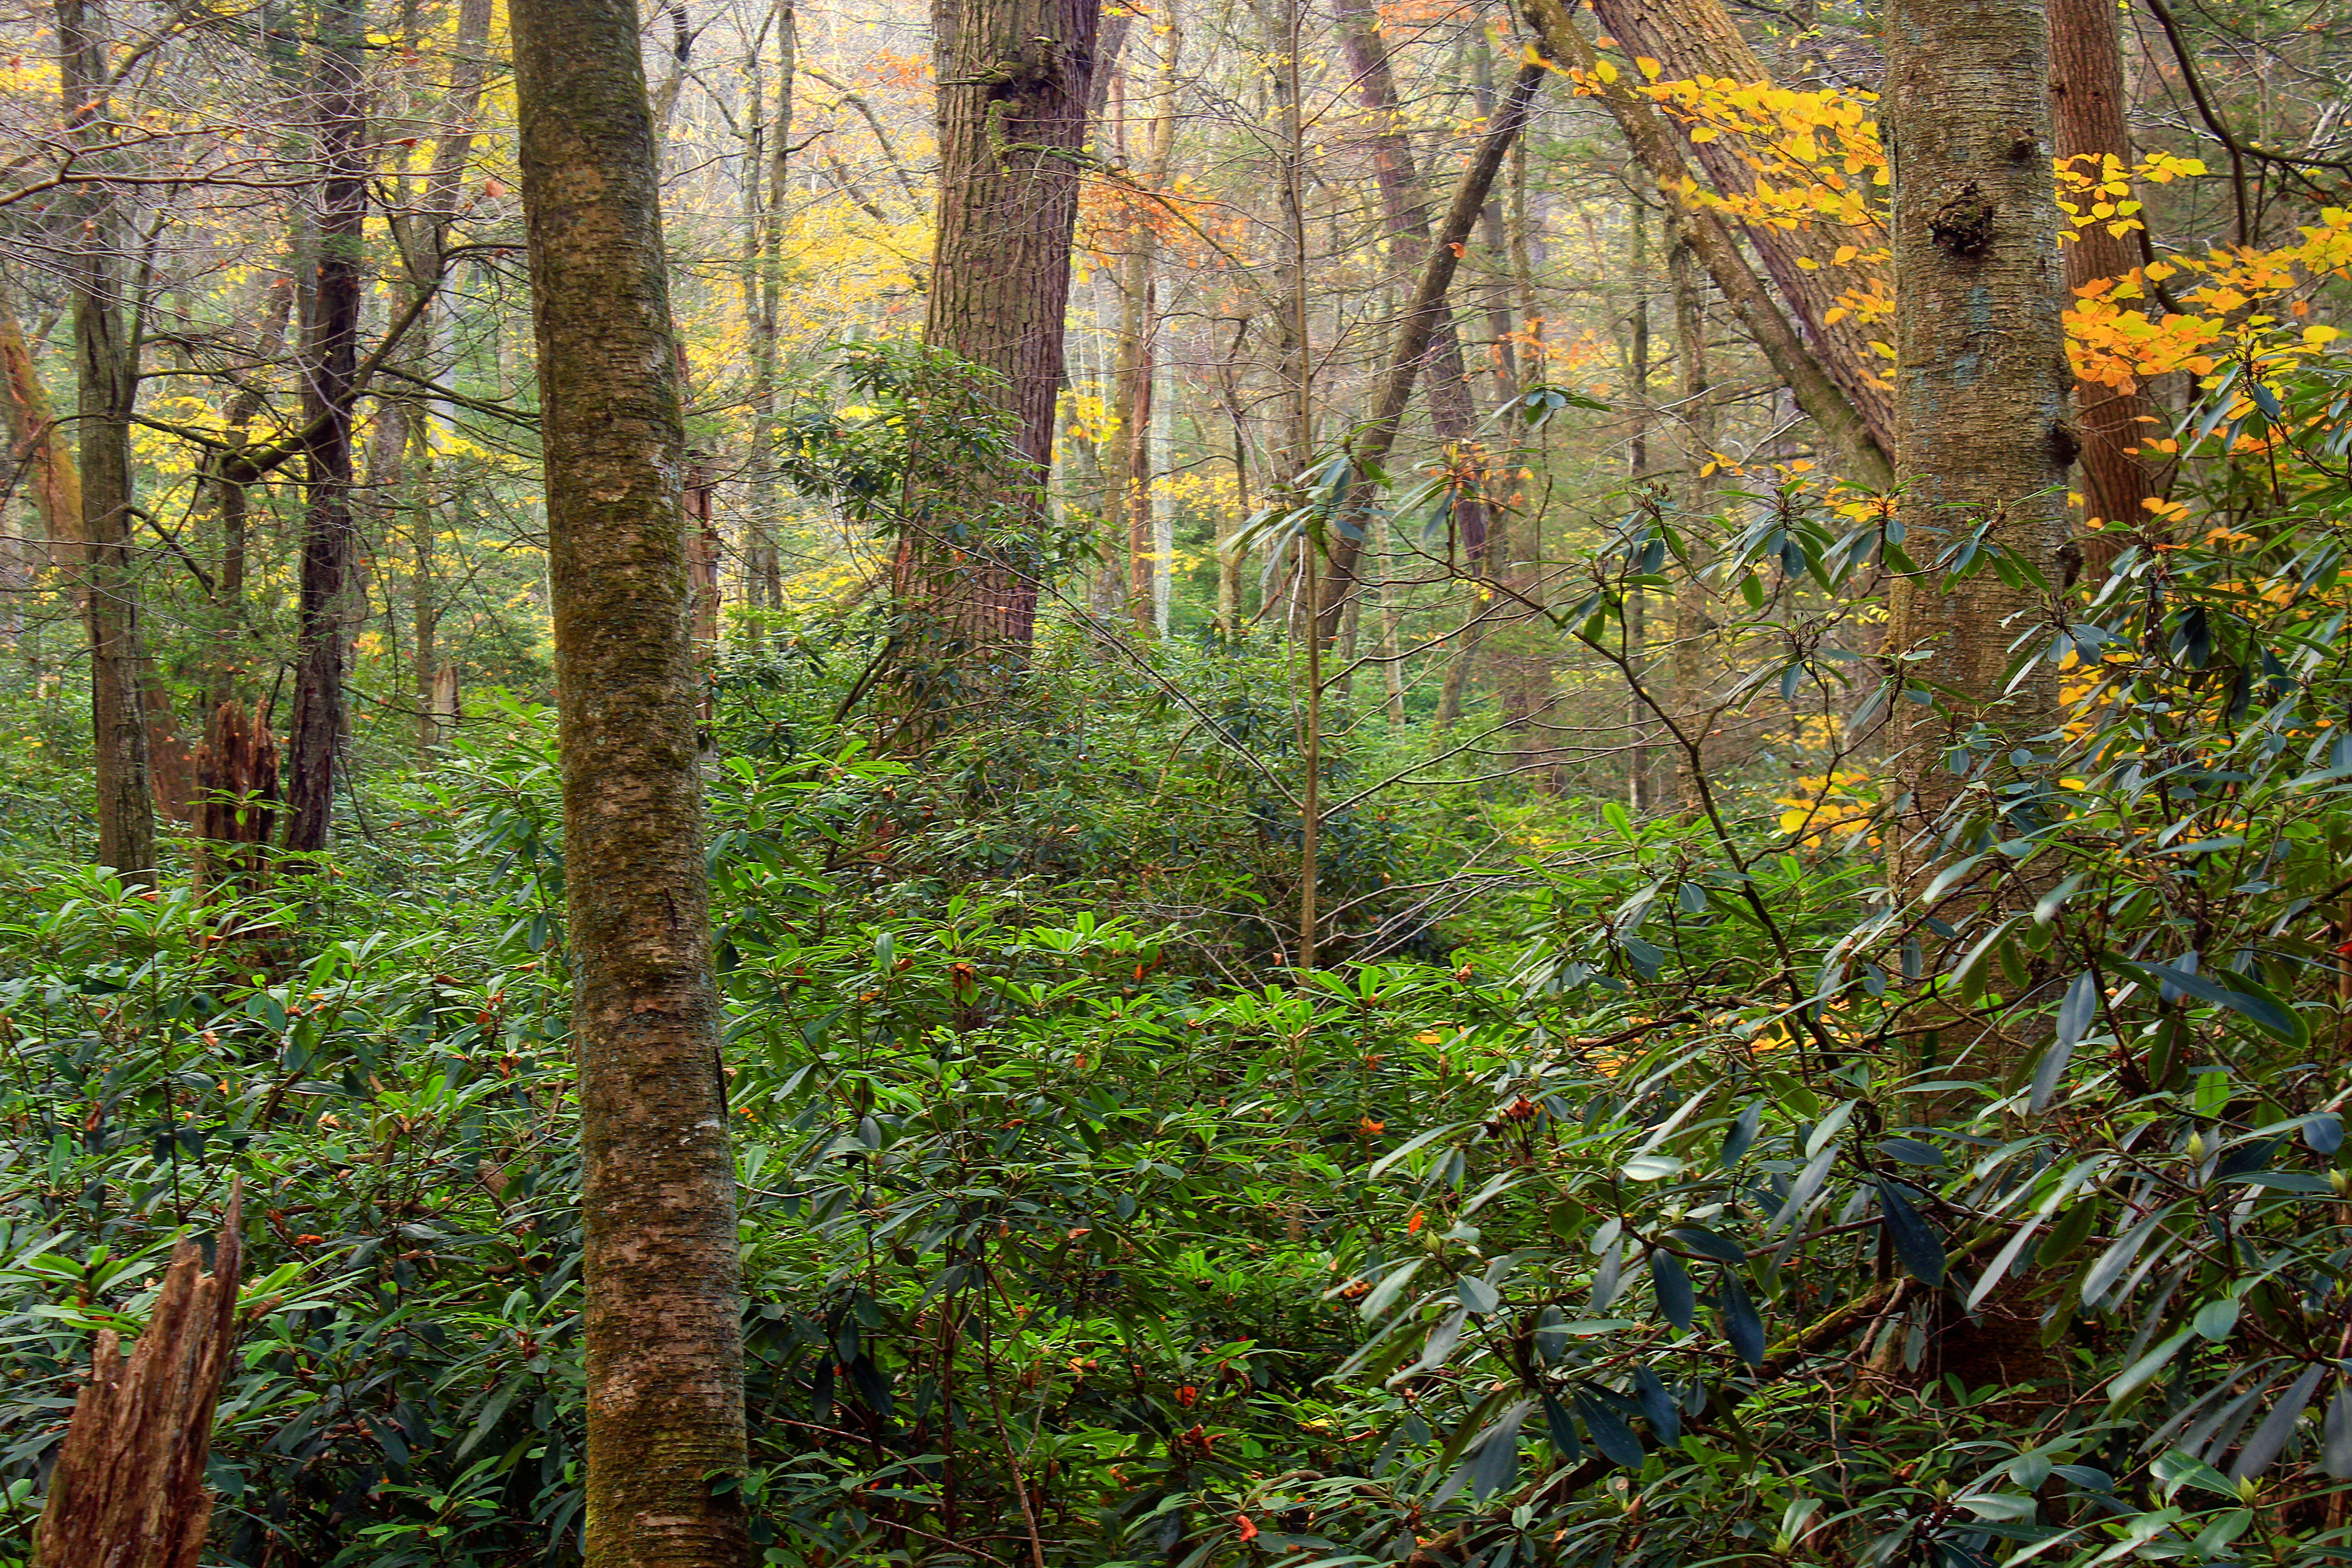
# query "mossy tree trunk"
(665, 1360)
(1982, 388)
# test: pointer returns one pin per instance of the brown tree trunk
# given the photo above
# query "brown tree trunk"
(1982, 378)
(1014, 79)
(108, 392)
(128, 1490)
(329, 387)
(1695, 39)
(36, 441)
(1415, 328)
(236, 803)
(665, 1352)
(1817, 391)
(2087, 104)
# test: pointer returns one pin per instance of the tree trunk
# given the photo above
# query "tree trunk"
(1637, 467)
(2087, 104)
(1982, 378)
(1696, 38)
(1014, 79)
(665, 1354)
(329, 387)
(128, 1490)
(1415, 332)
(1694, 625)
(36, 441)
(1816, 389)
(108, 391)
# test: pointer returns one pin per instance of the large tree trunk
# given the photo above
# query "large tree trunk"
(1014, 80)
(329, 387)
(1696, 38)
(128, 1489)
(108, 391)
(665, 1354)
(1981, 380)
(2087, 104)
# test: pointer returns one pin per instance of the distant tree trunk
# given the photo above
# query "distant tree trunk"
(108, 392)
(2087, 103)
(665, 1354)
(38, 442)
(128, 1489)
(1695, 404)
(1696, 38)
(1014, 77)
(1638, 792)
(1982, 385)
(1416, 326)
(329, 373)
(766, 179)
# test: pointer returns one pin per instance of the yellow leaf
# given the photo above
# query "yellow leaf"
(1647, 66)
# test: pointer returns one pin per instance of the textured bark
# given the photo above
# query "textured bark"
(1695, 39)
(329, 389)
(2087, 107)
(108, 393)
(768, 160)
(1416, 328)
(665, 1362)
(1981, 376)
(1817, 391)
(236, 803)
(128, 1490)
(37, 442)
(1014, 80)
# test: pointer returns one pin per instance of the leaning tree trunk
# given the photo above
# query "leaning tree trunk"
(128, 1488)
(1981, 381)
(1691, 39)
(1015, 77)
(665, 1351)
(2087, 103)
(38, 443)
(108, 392)
(330, 370)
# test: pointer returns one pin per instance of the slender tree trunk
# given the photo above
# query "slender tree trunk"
(330, 365)
(1982, 385)
(664, 1355)
(1414, 330)
(1638, 791)
(1015, 77)
(2087, 103)
(766, 187)
(105, 359)
(1693, 626)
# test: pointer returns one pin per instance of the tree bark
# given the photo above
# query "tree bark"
(36, 441)
(1817, 391)
(664, 1357)
(1414, 330)
(329, 389)
(1694, 623)
(2088, 105)
(108, 392)
(1014, 80)
(1982, 378)
(128, 1489)
(1692, 39)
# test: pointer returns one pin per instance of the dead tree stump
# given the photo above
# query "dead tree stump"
(128, 1490)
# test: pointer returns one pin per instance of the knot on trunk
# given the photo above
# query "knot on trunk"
(1963, 225)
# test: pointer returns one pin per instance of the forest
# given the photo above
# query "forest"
(1175, 784)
